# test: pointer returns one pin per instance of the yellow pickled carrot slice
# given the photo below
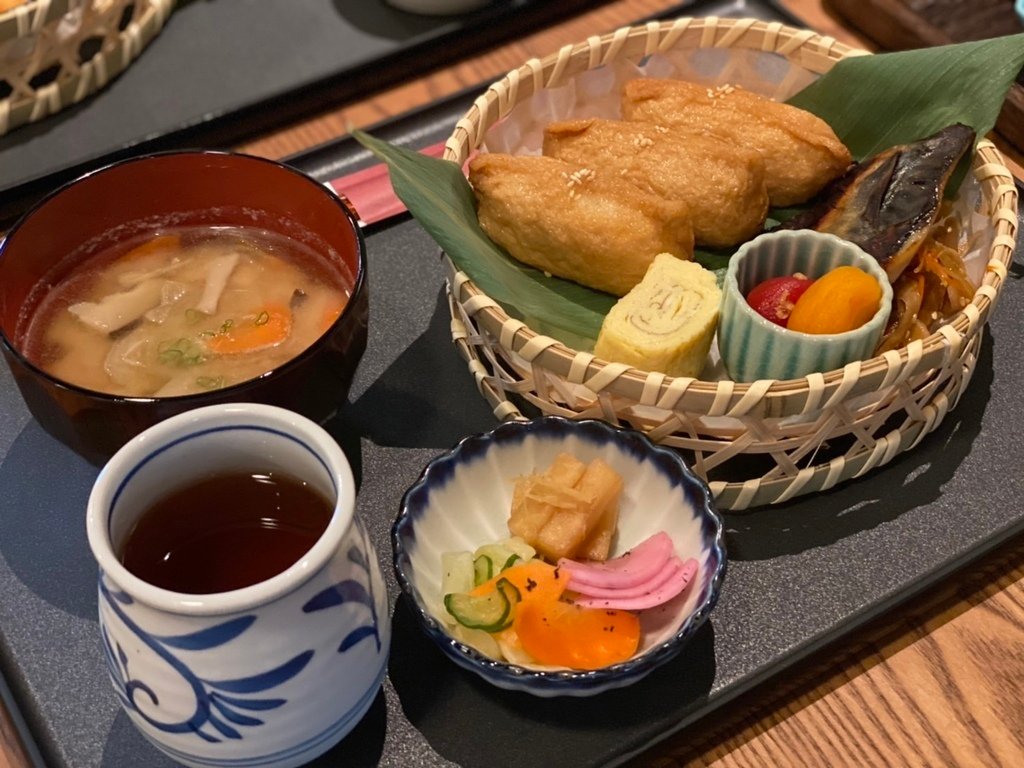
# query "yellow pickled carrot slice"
(562, 634)
(535, 580)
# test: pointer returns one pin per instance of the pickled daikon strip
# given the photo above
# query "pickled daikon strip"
(635, 567)
(648, 575)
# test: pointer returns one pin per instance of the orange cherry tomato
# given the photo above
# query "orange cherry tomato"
(562, 634)
(841, 300)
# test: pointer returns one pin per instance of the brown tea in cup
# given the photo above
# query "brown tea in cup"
(226, 532)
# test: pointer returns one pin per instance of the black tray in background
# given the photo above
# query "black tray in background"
(221, 70)
(800, 576)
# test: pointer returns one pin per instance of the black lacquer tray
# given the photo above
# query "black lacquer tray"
(801, 576)
(220, 71)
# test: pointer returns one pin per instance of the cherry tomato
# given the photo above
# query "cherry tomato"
(775, 298)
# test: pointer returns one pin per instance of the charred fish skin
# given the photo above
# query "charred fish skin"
(887, 203)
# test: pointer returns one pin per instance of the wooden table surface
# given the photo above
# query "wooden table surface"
(939, 682)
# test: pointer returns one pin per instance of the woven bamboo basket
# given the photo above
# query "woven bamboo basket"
(54, 53)
(759, 443)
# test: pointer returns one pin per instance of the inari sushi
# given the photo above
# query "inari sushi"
(576, 222)
(721, 183)
(801, 152)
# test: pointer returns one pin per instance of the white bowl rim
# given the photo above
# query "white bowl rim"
(157, 438)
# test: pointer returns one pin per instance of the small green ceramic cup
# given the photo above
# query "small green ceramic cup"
(753, 347)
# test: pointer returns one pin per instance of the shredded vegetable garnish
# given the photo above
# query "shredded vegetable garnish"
(933, 287)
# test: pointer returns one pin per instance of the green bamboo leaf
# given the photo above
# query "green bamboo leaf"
(439, 197)
(875, 102)
(713, 260)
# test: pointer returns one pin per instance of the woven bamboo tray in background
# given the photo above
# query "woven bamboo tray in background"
(54, 53)
(759, 443)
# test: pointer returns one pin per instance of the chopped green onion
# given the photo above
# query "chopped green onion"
(171, 357)
(226, 325)
(180, 353)
(263, 318)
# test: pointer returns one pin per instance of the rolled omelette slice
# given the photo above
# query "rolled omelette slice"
(666, 323)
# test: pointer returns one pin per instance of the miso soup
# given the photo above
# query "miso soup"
(185, 310)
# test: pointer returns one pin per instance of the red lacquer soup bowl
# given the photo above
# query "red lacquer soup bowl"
(51, 246)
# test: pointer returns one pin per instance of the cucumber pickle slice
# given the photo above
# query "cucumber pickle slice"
(483, 570)
(491, 612)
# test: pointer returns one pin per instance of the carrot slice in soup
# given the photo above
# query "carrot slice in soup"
(562, 634)
(329, 316)
(155, 245)
(264, 329)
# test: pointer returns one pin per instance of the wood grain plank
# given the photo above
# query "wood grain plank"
(12, 754)
(938, 683)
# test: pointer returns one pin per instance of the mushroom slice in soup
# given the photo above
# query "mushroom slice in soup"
(116, 310)
(216, 281)
(133, 278)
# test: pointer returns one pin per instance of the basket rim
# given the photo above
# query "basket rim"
(31, 15)
(28, 104)
(804, 48)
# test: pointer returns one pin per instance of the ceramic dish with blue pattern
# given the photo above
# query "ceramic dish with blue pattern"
(463, 498)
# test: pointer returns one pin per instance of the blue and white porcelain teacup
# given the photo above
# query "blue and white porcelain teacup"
(271, 674)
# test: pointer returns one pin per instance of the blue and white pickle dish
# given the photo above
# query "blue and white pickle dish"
(753, 347)
(463, 499)
(268, 675)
